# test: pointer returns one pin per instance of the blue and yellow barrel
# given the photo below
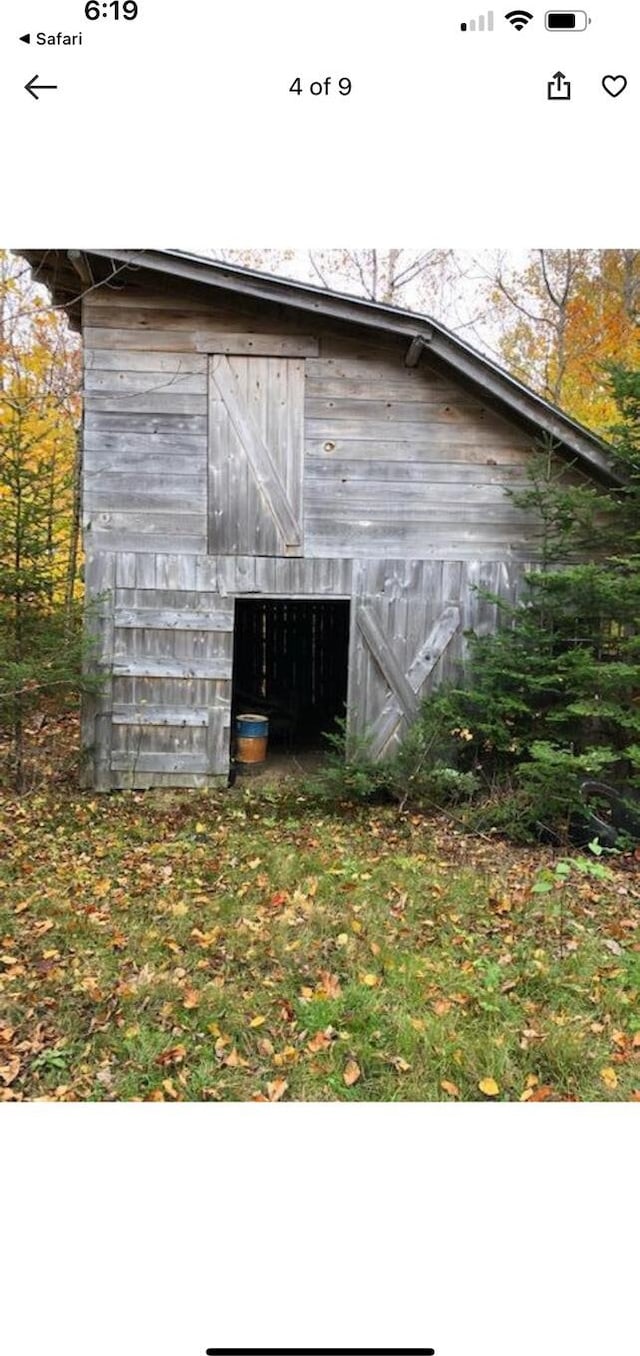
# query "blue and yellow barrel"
(252, 734)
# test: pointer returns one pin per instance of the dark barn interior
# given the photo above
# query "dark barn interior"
(290, 663)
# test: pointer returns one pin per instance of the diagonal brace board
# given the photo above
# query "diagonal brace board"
(423, 665)
(260, 460)
(387, 662)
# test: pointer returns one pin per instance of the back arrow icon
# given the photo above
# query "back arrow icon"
(32, 87)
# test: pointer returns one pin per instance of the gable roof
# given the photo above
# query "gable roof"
(69, 274)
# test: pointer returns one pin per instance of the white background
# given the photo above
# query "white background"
(478, 1230)
(502, 1230)
(180, 129)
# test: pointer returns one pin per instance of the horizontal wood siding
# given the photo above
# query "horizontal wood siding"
(398, 462)
(166, 653)
(403, 462)
(145, 439)
(211, 580)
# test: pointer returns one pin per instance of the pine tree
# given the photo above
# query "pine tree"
(554, 696)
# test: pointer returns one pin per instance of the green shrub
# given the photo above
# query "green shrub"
(421, 773)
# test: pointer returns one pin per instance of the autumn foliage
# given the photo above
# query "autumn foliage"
(40, 408)
(563, 316)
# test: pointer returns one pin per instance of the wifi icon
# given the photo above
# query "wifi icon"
(518, 18)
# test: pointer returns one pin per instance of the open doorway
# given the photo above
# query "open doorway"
(290, 663)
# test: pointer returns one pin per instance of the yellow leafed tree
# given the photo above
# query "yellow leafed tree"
(563, 316)
(40, 634)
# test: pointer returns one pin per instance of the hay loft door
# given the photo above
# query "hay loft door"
(256, 448)
(401, 629)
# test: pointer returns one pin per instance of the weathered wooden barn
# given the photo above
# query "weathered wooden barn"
(289, 497)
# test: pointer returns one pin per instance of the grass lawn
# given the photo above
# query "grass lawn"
(249, 945)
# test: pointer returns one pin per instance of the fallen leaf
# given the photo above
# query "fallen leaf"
(400, 1064)
(10, 1071)
(321, 1041)
(489, 1087)
(609, 1077)
(257, 1021)
(191, 998)
(352, 1073)
(278, 899)
(451, 1088)
(287, 1056)
(541, 1094)
(235, 1061)
(501, 903)
(369, 980)
(612, 946)
(277, 1089)
(205, 939)
(329, 986)
(174, 1055)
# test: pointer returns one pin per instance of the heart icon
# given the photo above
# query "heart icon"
(614, 84)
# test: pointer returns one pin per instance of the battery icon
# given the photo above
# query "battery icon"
(566, 20)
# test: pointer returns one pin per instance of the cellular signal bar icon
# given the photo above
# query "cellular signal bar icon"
(483, 24)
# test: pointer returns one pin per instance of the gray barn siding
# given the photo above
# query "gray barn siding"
(395, 476)
(163, 718)
(397, 461)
